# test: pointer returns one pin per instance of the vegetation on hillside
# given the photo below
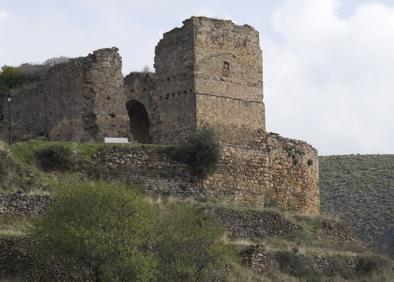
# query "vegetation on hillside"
(54, 157)
(201, 153)
(103, 229)
(14, 77)
(360, 188)
(113, 234)
(90, 223)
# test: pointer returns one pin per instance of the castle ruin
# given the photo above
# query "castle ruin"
(208, 73)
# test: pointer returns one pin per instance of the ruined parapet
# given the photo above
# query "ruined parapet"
(104, 94)
(277, 172)
(78, 100)
(141, 105)
(294, 174)
(27, 113)
(176, 106)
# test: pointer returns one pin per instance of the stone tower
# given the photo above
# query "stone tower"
(228, 79)
(208, 74)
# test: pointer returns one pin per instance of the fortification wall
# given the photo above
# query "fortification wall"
(105, 100)
(27, 113)
(228, 79)
(176, 101)
(294, 175)
(149, 167)
(277, 172)
(140, 87)
(79, 100)
(62, 90)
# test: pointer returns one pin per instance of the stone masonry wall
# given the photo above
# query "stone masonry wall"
(71, 101)
(140, 87)
(28, 113)
(62, 89)
(147, 166)
(104, 94)
(275, 171)
(294, 175)
(278, 172)
(176, 100)
(228, 79)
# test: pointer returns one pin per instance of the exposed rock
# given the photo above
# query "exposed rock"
(249, 224)
(20, 204)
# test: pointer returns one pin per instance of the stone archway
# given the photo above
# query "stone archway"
(139, 121)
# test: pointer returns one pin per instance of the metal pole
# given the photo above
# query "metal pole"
(9, 120)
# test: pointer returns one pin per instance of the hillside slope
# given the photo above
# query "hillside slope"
(262, 244)
(360, 188)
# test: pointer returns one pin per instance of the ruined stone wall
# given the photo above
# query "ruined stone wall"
(141, 87)
(105, 100)
(228, 79)
(294, 175)
(149, 167)
(79, 100)
(28, 116)
(277, 172)
(62, 90)
(176, 101)
(20, 204)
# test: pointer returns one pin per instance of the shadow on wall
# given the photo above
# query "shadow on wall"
(139, 122)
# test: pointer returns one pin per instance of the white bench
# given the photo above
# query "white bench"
(116, 140)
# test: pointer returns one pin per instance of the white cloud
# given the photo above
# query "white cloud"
(330, 79)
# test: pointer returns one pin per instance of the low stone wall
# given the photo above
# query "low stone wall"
(348, 267)
(149, 167)
(339, 231)
(273, 172)
(249, 224)
(20, 204)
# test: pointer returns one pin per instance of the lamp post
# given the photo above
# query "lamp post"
(9, 119)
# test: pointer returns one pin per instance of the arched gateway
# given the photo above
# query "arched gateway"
(139, 121)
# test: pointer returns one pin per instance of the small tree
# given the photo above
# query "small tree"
(201, 153)
(10, 78)
(189, 245)
(103, 229)
(55, 61)
(14, 77)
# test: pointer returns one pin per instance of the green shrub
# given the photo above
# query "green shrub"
(201, 153)
(96, 228)
(293, 264)
(54, 157)
(370, 263)
(189, 246)
(12, 77)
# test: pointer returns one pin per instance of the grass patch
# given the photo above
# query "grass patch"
(14, 226)
(25, 151)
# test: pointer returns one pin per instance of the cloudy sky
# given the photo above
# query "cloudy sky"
(328, 64)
